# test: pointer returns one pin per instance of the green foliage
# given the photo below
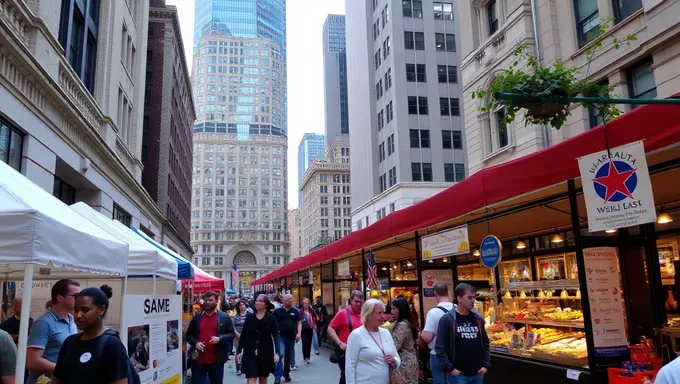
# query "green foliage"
(545, 83)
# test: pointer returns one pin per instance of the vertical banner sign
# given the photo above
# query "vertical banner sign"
(448, 243)
(604, 291)
(617, 189)
(343, 268)
(431, 277)
(153, 337)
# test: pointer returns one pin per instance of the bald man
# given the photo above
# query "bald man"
(11, 325)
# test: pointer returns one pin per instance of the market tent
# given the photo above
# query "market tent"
(185, 269)
(144, 258)
(657, 125)
(203, 281)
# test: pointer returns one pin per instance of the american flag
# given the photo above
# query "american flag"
(234, 278)
(372, 280)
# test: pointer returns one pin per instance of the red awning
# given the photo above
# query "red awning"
(205, 282)
(657, 125)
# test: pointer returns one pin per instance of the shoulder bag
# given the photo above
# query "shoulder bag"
(338, 353)
(395, 376)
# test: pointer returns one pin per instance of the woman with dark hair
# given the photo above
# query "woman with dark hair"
(96, 355)
(239, 320)
(257, 350)
(405, 334)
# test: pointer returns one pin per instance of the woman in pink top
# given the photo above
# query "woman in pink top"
(309, 319)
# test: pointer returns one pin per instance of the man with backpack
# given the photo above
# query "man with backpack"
(429, 334)
(462, 346)
(344, 322)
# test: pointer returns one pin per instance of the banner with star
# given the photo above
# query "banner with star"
(617, 188)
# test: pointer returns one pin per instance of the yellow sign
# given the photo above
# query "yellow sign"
(448, 243)
(173, 380)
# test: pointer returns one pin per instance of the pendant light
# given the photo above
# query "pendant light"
(384, 268)
(476, 253)
(408, 263)
(578, 294)
(507, 295)
(520, 245)
(557, 239)
(522, 295)
(664, 218)
(613, 230)
(431, 261)
(445, 260)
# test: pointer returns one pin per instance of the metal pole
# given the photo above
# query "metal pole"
(419, 267)
(23, 324)
(582, 99)
(366, 289)
(580, 262)
(333, 284)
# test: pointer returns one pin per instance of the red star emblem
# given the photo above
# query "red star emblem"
(615, 182)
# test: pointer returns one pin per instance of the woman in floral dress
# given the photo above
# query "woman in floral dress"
(404, 333)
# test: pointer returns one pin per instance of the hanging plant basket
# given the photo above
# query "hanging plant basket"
(546, 110)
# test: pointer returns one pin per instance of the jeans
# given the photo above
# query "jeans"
(230, 347)
(287, 349)
(213, 372)
(462, 379)
(437, 375)
(315, 341)
(307, 336)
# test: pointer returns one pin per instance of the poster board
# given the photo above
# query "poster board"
(430, 277)
(152, 334)
(447, 243)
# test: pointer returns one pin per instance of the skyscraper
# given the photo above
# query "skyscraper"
(240, 196)
(311, 147)
(335, 78)
(406, 132)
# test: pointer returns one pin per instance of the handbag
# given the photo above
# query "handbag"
(395, 376)
(338, 353)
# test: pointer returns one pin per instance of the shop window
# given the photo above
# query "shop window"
(11, 145)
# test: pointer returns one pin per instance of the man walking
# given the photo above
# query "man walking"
(429, 334)
(290, 331)
(209, 332)
(51, 329)
(344, 322)
(322, 312)
(11, 324)
(462, 345)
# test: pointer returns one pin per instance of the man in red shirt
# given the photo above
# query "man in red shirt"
(209, 332)
(341, 326)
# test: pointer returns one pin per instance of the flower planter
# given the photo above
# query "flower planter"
(545, 110)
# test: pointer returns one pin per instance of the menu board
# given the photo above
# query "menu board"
(430, 278)
(604, 292)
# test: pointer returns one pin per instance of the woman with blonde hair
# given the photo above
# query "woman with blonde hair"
(370, 353)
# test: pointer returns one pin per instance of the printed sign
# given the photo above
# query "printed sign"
(343, 268)
(448, 243)
(431, 277)
(153, 337)
(491, 251)
(604, 292)
(617, 189)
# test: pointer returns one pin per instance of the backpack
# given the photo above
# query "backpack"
(132, 376)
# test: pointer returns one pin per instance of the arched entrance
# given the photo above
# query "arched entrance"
(245, 277)
(245, 257)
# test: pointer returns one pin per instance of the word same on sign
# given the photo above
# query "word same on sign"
(152, 306)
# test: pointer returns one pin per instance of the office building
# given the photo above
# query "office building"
(325, 215)
(648, 68)
(295, 233)
(72, 102)
(406, 132)
(335, 78)
(168, 124)
(239, 207)
(311, 147)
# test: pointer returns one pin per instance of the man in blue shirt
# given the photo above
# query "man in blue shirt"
(290, 330)
(51, 329)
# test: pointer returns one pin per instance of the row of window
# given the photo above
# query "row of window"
(420, 138)
(323, 178)
(417, 105)
(336, 189)
(231, 236)
(444, 42)
(423, 172)
(445, 73)
(388, 180)
(337, 223)
(195, 225)
(414, 9)
(336, 200)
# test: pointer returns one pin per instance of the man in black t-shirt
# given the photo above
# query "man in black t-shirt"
(11, 325)
(323, 316)
(462, 345)
(290, 331)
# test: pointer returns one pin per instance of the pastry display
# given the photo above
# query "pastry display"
(570, 347)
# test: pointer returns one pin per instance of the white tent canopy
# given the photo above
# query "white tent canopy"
(37, 228)
(145, 259)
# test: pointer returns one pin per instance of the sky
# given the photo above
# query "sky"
(305, 20)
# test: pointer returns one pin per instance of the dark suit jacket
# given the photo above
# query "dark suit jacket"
(225, 331)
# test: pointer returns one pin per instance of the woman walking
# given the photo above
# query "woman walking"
(239, 319)
(370, 353)
(309, 318)
(96, 355)
(258, 351)
(405, 333)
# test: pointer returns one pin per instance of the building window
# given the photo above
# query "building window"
(78, 33)
(445, 42)
(412, 8)
(419, 138)
(393, 176)
(390, 112)
(381, 152)
(502, 129)
(386, 47)
(388, 79)
(11, 145)
(587, 20)
(625, 8)
(414, 40)
(390, 145)
(454, 172)
(64, 191)
(415, 73)
(452, 139)
(417, 105)
(641, 82)
(378, 90)
(449, 106)
(492, 15)
(447, 74)
(383, 183)
(443, 11)
(122, 215)
(421, 171)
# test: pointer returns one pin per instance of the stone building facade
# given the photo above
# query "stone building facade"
(295, 233)
(168, 124)
(72, 101)
(563, 30)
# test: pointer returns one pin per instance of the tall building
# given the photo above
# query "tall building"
(645, 69)
(406, 132)
(239, 207)
(72, 102)
(295, 231)
(335, 78)
(325, 215)
(311, 147)
(167, 125)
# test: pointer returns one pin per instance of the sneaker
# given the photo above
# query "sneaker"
(293, 367)
(317, 353)
(307, 361)
(277, 381)
(288, 380)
